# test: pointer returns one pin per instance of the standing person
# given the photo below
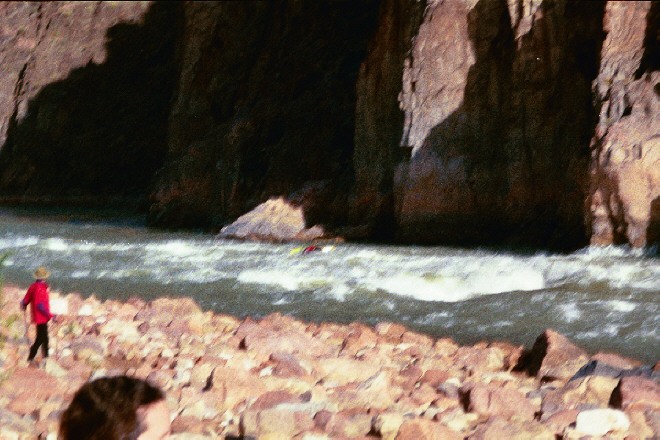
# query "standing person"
(37, 295)
(116, 408)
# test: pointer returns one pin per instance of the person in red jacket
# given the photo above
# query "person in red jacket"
(37, 296)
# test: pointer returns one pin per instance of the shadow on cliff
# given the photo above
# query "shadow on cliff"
(653, 230)
(99, 134)
(522, 133)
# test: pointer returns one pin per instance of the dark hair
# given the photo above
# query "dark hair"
(107, 409)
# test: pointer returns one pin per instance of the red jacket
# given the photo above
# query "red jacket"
(37, 295)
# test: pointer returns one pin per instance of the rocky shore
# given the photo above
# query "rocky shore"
(280, 378)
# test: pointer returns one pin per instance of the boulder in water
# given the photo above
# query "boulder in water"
(275, 220)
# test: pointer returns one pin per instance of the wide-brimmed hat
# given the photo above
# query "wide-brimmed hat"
(41, 273)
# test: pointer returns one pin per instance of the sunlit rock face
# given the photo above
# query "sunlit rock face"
(531, 122)
(84, 96)
(498, 115)
(624, 197)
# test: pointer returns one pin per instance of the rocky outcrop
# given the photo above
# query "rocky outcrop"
(281, 378)
(84, 97)
(625, 165)
(378, 118)
(529, 122)
(497, 108)
(265, 106)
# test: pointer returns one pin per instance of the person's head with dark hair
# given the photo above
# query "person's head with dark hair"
(116, 408)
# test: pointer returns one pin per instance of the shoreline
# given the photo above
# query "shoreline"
(280, 377)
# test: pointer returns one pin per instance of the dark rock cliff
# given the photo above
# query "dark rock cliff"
(265, 107)
(85, 97)
(525, 122)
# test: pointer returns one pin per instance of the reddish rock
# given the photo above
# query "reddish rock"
(625, 148)
(41, 384)
(495, 401)
(390, 330)
(349, 424)
(616, 360)
(409, 376)
(561, 420)
(287, 365)
(498, 428)
(273, 398)
(637, 394)
(360, 338)
(421, 429)
(434, 377)
(553, 356)
(424, 395)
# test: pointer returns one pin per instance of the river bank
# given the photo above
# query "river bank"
(282, 378)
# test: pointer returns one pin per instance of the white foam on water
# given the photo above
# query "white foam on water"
(340, 290)
(570, 312)
(508, 281)
(18, 242)
(178, 248)
(90, 246)
(80, 274)
(621, 305)
(446, 289)
(282, 302)
(609, 330)
(451, 288)
(56, 244)
(203, 275)
(435, 318)
(282, 279)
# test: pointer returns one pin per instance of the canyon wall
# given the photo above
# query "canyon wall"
(624, 195)
(265, 107)
(531, 122)
(84, 97)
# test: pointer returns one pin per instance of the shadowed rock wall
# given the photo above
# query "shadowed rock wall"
(530, 122)
(84, 97)
(265, 107)
(498, 114)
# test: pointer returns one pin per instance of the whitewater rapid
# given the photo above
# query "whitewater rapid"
(605, 298)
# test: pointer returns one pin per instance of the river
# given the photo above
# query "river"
(601, 298)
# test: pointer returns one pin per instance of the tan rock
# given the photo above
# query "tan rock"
(421, 429)
(496, 401)
(590, 390)
(342, 371)
(348, 424)
(561, 420)
(497, 428)
(458, 420)
(639, 426)
(387, 424)
(390, 330)
(479, 359)
(375, 393)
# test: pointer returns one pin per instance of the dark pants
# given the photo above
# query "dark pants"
(41, 340)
